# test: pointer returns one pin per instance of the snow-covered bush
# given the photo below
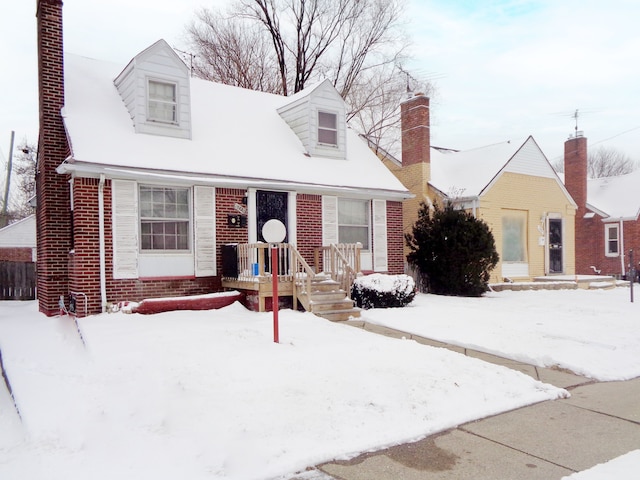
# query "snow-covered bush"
(383, 291)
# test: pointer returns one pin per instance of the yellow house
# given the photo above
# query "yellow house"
(511, 186)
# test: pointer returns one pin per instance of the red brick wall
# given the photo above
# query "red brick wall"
(575, 171)
(226, 198)
(395, 239)
(416, 139)
(16, 254)
(590, 250)
(52, 190)
(309, 219)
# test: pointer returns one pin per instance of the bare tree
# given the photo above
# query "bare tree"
(24, 170)
(603, 162)
(609, 162)
(280, 46)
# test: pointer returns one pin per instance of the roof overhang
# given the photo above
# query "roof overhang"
(91, 170)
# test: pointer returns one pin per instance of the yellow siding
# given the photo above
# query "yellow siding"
(539, 196)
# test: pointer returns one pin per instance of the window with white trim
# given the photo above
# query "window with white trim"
(611, 240)
(514, 236)
(328, 128)
(354, 221)
(162, 103)
(164, 218)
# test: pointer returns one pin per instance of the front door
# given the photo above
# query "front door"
(271, 205)
(555, 246)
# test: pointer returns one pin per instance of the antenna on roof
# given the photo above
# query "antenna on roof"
(402, 70)
(191, 57)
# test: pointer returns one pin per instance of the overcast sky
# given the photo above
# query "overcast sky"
(503, 69)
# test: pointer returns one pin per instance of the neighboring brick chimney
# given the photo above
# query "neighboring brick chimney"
(416, 134)
(575, 170)
(52, 190)
(415, 172)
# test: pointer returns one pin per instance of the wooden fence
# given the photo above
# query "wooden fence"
(17, 280)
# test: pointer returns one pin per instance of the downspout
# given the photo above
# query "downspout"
(103, 268)
(622, 246)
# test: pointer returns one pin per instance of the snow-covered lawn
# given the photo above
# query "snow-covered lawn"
(595, 333)
(208, 395)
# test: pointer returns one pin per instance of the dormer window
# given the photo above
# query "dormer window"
(162, 103)
(328, 128)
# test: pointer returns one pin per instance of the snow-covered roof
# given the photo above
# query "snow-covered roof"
(236, 134)
(19, 234)
(469, 173)
(617, 196)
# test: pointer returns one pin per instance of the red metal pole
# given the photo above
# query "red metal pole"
(275, 304)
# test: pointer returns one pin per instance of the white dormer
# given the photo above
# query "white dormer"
(317, 115)
(155, 88)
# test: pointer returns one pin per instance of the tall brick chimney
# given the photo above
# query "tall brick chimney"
(52, 190)
(416, 134)
(575, 170)
(416, 156)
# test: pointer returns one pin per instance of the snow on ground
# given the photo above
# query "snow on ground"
(621, 468)
(208, 395)
(595, 333)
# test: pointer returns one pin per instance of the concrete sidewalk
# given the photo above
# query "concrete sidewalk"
(545, 441)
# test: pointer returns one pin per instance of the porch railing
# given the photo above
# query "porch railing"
(341, 261)
(254, 262)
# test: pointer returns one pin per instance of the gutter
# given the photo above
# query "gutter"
(622, 246)
(103, 268)
(94, 171)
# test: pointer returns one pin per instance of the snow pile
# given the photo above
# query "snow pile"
(592, 333)
(621, 468)
(208, 395)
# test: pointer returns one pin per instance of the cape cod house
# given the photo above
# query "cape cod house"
(151, 183)
(511, 186)
(608, 216)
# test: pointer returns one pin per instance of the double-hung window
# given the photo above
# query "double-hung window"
(164, 218)
(162, 102)
(328, 128)
(611, 240)
(354, 221)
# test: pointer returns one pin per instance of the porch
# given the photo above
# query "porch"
(324, 288)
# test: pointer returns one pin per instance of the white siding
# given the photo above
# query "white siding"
(530, 160)
(329, 220)
(125, 228)
(19, 234)
(302, 117)
(380, 263)
(204, 231)
(158, 62)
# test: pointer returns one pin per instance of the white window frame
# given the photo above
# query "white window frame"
(607, 239)
(342, 224)
(142, 219)
(173, 103)
(328, 129)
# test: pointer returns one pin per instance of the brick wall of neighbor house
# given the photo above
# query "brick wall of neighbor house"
(16, 254)
(309, 219)
(52, 190)
(395, 238)
(593, 252)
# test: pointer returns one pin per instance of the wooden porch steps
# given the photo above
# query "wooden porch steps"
(328, 300)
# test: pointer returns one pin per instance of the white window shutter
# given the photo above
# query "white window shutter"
(205, 231)
(124, 194)
(380, 263)
(329, 220)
